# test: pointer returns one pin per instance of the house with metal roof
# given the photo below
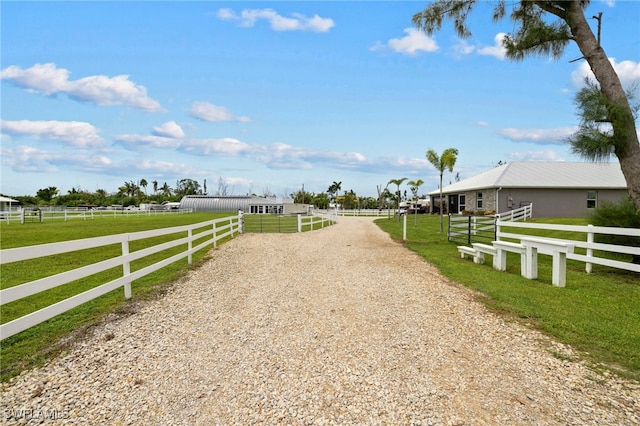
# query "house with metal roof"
(556, 189)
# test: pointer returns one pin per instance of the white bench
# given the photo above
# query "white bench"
(500, 259)
(483, 249)
(468, 251)
(556, 249)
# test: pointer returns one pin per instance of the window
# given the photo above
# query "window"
(462, 202)
(592, 199)
(479, 200)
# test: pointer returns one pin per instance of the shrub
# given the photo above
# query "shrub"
(620, 215)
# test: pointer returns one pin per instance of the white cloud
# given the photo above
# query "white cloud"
(544, 155)
(98, 89)
(237, 181)
(26, 159)
(628, 72)
(223, 146)
(462, 48)
(497, 50)
(276, 155)
(539, 136)
(169, 129)
(208, 112)
(297, 22)
(413, 43)
(74, 133)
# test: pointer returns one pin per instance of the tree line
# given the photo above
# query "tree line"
(131, 193)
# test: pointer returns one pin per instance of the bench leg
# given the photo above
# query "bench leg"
(479, 258)
(531, 254)
(559, 272)
(523, 264)
(500, 260)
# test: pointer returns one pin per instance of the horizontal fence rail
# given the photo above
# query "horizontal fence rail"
(211, 231)
(521, 213)
(26, 215)
(465, 229)
(588, 245)
(359, 212)
(268, 223)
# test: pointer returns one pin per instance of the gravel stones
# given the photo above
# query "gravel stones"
(336, 326)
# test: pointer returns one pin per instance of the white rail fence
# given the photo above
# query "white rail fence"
(521, 213)
(23, 215)
(588, 244)
(359, 212)
(215, 229)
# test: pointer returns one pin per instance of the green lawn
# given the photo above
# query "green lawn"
(36, 345)
(598, 314)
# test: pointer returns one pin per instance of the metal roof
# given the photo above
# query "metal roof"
(210, 203)
(543, 174)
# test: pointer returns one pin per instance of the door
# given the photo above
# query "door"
(453, 203)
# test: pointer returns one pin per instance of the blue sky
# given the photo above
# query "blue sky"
(270, 96)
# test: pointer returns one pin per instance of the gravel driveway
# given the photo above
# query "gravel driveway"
(337, 326)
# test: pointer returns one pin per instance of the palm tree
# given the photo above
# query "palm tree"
(445, 161)
(415, 185)
(166, 189)
(143, 183)
(155, 186)
(334, 189)
(398, 182)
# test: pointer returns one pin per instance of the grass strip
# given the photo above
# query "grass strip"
(37, 345)
(597, 314)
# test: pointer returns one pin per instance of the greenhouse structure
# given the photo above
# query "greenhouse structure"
(249, 204)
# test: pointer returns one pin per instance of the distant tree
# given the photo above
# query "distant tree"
(266, 193)
(302, 197)
(143, 183)
(415, 185)
(321, 200)
(349, 200)
(382, 195)
(397, 182)
(443, 162)
(47, 194)
(223, 188)
(166, 190)
(130, 189)
(187, 187)
(545, 28)
(155, 186)
(334, 189)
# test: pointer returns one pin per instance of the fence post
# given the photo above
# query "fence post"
(240, 222)
(190, 245)
(299, 223)
(215, 237)
(469, 231)
(126, 269)
(404, 228)
(589, 266)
